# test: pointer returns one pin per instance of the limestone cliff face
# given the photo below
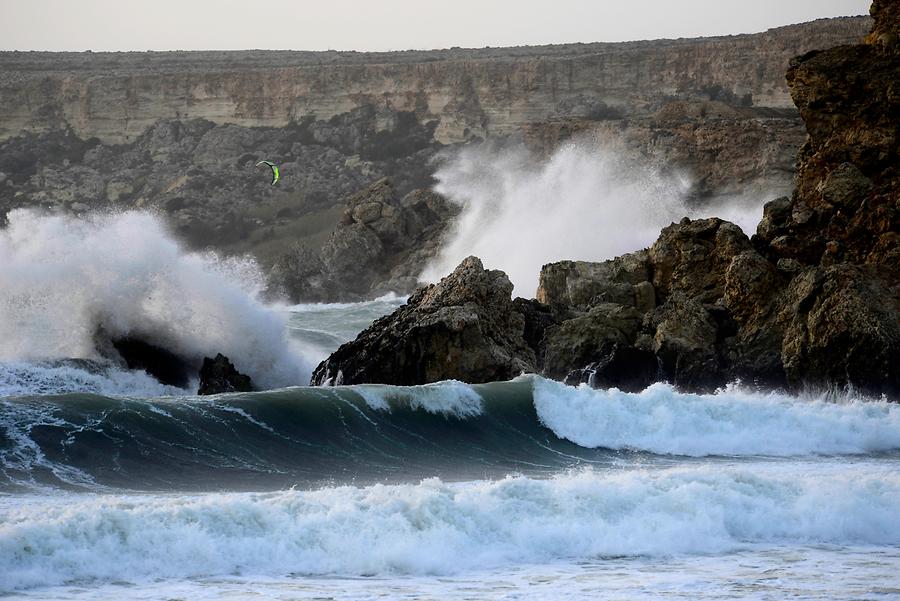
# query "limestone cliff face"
(468, 93)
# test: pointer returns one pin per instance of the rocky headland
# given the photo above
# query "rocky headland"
(355, 135)
(813, 298)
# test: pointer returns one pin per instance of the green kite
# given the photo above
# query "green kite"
(275, 174)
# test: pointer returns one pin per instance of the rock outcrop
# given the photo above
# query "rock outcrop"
(812, 299)
(219, 375)
(381, 244)
(465, 327)
(138, 354)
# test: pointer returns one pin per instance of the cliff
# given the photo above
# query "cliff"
(179, 132)
(471, 93)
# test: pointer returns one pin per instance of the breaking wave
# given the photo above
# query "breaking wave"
(63, 279)
(439, 528)
(374, 433)
(730, 422)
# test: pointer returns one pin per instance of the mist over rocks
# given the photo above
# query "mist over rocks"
(813, 299)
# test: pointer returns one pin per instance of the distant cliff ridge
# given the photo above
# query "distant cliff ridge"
(467, 93)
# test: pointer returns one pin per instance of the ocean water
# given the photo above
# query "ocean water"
(113, 486)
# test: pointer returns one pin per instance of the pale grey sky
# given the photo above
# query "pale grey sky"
(384, 24)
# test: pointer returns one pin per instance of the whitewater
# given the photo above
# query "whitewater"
(519, 490)
(114, 486)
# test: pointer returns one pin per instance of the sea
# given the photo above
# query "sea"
(113, 486)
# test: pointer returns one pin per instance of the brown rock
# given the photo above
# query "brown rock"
(583, 340)
(841, 327)
(692, 256)
(464, 327)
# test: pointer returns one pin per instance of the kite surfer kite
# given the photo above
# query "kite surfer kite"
(275, 174)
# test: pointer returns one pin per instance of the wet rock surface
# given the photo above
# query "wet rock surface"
(164, 365)
(218, 375)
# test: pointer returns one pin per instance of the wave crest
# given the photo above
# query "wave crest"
(439, 528)
(731, 422)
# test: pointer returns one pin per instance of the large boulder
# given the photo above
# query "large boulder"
(691, 257)
(136, 353)
(624, 280)
(586, 339)
(685, 342)
(465, 327)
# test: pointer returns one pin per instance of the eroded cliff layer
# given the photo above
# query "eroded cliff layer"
(470, 93)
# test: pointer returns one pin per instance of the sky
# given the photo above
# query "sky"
(379, 25)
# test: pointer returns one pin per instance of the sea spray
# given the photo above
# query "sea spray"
(588, 201)
(63, 278)
(22, 378)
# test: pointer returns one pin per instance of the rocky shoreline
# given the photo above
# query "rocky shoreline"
(812, 299)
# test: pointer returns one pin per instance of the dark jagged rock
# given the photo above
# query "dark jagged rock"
(583, 340)
(219, 375)
(684, 341)
(165, 366)
(465, 327)
(624, 367)
(841, 325)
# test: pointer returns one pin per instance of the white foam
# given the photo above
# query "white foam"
(730, 422)
(450, 397)
(62, 277)
(439, 528)
(589, 201)
(21, 379)
(387, 301)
